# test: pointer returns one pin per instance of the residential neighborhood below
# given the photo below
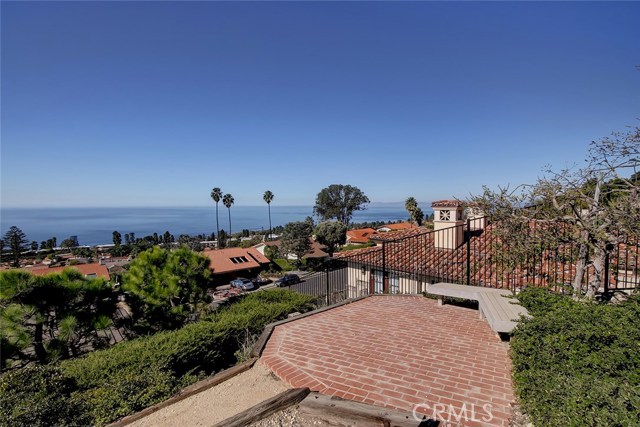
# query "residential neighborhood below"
(226, 264)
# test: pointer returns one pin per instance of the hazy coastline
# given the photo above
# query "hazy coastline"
(95, 225)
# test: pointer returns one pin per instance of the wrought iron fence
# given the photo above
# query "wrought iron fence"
(330, 285)
(471, 253)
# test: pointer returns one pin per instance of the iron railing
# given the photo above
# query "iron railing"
(473, 253)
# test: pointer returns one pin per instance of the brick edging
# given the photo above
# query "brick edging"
(188, 391)
(258, 347)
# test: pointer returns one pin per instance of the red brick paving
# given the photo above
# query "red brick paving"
(400, 352)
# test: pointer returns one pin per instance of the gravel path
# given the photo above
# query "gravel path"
(220, 402)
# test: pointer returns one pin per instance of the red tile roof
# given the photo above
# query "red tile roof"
(270, 243)
(415, 253)
(317, 250)
(447, 203)
(419, 255)
(96, 269)
(399, 234)
(235, 259)
(359, 235)
(398, 226)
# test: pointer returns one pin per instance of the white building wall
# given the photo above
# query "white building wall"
(358, 281)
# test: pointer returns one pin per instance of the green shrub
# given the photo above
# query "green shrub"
(135, 374)
(578, 363)
(540, 301)
(109, 384)
(283, 264)
(127, 393)
(40, 396)
(356, 246)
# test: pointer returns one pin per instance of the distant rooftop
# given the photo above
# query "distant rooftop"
(447, 203)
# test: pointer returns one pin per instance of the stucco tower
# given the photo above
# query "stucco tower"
(448, 224)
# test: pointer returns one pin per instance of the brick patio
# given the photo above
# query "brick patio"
(399, 352)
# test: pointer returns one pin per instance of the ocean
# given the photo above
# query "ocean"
(95, 226)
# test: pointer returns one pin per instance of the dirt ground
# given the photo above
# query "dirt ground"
(291, 417)
(220, 402)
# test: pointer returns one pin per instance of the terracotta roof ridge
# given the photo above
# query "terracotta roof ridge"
(254, 258)
(359, 251)
(447, 203)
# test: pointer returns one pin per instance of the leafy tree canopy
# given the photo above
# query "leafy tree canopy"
(71, 242)
(117, 238)
(339, 201)
(295, 239)
(331, 234)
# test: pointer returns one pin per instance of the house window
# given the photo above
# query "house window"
(239, 259)
(445, 215)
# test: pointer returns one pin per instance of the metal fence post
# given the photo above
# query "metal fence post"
(606, 268)
(327, 279)
(468, 239)
(384, 261)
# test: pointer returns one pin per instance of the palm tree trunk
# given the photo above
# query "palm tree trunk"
(217, 225)
(229, 222)
(269, 204)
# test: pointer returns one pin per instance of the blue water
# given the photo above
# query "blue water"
(95, 226)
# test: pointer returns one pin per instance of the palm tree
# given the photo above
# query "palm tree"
(216, 195)
(415, 213)
(411, 205)
(268, 197)
(227, 200)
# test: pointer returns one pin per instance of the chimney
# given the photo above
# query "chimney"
(447, 216)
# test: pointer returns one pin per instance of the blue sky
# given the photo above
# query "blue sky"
(155, 103)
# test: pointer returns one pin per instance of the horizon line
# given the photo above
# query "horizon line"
(183, 206)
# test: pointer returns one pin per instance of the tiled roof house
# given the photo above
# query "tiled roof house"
(236, 261)
(412, 260)
(88, 270)
(395, 227)
(359, 235)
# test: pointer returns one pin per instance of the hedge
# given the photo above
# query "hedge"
(38, 395)
(135, 374)
(578, 363)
